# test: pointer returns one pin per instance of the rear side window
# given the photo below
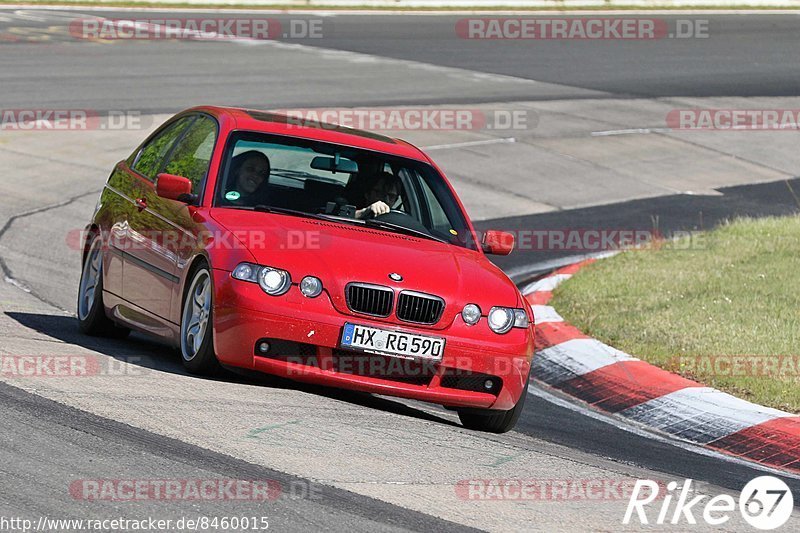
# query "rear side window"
(192, 155)
(151, 156)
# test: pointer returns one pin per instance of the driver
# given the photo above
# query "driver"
(381, 197)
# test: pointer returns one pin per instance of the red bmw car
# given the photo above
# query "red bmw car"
(316, 252)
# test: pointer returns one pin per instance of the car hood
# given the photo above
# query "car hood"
(339, 253)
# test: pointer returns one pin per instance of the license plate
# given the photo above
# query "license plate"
(394, 343)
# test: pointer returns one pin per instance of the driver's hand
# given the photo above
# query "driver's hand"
(377, 208)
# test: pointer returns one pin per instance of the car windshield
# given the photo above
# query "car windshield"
(299, 176)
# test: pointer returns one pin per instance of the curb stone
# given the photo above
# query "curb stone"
(622, 385)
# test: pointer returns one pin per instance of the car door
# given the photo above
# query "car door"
(112, 214)
(190, 158)
(149, 270)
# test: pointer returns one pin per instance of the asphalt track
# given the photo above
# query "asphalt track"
(744, 56)
(47, 444)
(53, 430)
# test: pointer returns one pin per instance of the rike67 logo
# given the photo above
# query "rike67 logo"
(765, 503)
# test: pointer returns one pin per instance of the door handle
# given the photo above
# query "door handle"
(141, 204)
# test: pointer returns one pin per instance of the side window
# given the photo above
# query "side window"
(192, 155)
(154, 151)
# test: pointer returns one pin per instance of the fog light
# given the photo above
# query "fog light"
(488, 384)
(471, 314)
(263, 347)
(311, 287)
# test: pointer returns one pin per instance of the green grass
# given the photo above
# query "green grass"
(735, 292)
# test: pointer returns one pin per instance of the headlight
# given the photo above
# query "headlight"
(471, 314)
(311, 287)
(246, 272)
(501, 319)
(274, 281)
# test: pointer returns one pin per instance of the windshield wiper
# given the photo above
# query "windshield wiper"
(285, 211)
(402, 229)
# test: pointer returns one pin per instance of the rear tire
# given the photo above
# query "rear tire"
(197, 331)
(492, 421)
(92, 319)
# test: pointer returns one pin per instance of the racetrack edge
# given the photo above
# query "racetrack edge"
(623, 386)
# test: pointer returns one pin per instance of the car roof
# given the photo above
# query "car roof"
(307, 128)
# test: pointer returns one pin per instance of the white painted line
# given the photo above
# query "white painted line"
(604, 255)
(632, 131)
(30, 15)
(46, 15)
(701, 414)
(504, 140)
(17, 284)
(577, 357)
(195, 34)
(546, 284)
(628, 427)
(545, 313)
(644, 131)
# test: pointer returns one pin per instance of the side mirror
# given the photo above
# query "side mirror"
(175, 188)
(498, 242)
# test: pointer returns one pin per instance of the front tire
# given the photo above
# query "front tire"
(92, 319)
(197, 343)
(494, 421)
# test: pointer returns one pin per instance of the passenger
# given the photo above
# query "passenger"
(250, 171)
(382, 197)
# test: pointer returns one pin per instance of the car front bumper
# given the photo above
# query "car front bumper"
(243, 315)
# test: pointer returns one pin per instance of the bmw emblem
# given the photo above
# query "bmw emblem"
(394, 276)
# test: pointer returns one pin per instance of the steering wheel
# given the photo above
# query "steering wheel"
(395, 211)
(369, 214)
(401, 218)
